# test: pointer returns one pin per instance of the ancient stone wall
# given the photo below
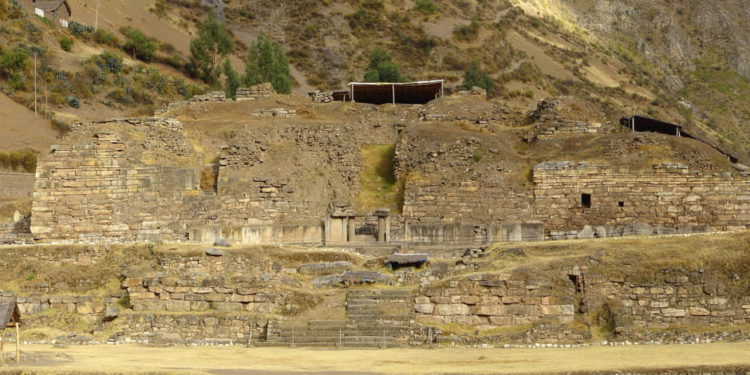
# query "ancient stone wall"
(16, 185)
(467, 201)
(570, 195)
(92, 191)
(637, 309)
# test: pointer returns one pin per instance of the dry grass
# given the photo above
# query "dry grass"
(378, 187)
(138, 359)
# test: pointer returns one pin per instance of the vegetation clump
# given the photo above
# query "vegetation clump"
(213, 44)
(474, 76)
(381, 68)
(138, 44)
(267, 62)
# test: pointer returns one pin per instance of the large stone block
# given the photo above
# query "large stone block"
(452, 309)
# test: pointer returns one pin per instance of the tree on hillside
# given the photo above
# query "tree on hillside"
(232, 80)
(475, 76)
(212, 44)
(381, 68)
(138, 44)
(267, 62)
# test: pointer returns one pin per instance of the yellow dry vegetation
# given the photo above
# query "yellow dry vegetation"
(201, 360)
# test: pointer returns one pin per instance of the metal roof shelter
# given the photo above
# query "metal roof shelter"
(419, 92)
(646, 124)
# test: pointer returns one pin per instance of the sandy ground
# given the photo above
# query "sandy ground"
(238, 360)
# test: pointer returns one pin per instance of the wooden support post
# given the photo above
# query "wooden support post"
(18, 342)
(36, 113)
(2, 343)
(393, 93)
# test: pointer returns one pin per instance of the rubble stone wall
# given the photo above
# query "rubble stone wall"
(669, 195)
(488, 301)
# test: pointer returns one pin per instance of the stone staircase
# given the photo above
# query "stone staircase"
(375, 318)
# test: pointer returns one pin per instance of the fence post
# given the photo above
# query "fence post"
(340, 338)
(292, 336)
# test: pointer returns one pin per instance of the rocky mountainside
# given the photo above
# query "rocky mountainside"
(685, 61)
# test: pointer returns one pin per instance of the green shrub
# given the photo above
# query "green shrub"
(138, 44)
(381, 68)
(17, 81)
(475, 76)
(66, 43)
(105, 37)
(109, 61)
(78, 29)
(425, 6)
(13, 60)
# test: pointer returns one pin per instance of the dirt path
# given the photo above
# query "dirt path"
(272, 361)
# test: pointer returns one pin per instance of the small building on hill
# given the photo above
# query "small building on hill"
(57, 11)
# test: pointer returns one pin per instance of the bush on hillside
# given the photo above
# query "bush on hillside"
(425, 6)
(138, 44)
(381, 68)
(66, 43)
(13, 60)
(475, 76)
(109, 61)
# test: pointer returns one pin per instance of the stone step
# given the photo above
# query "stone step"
(327, 323)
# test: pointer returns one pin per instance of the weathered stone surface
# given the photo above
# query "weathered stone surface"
(674, 312)
(699, 311)
(452, 309)
(326, 268)
(214, 252)
(424, 308)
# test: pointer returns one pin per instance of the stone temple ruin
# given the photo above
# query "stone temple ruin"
(410, 198)
(104, 184)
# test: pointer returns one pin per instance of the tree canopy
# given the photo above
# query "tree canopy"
(232, 82)
(267, 62)
(381, 68)
(212, 44)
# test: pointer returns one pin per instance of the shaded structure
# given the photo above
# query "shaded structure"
(397, 260)
(646, 124)
(10, 317)
(58, 11)
(419, 92)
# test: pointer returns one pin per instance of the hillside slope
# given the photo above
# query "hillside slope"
(685, 62)
(22, 130)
